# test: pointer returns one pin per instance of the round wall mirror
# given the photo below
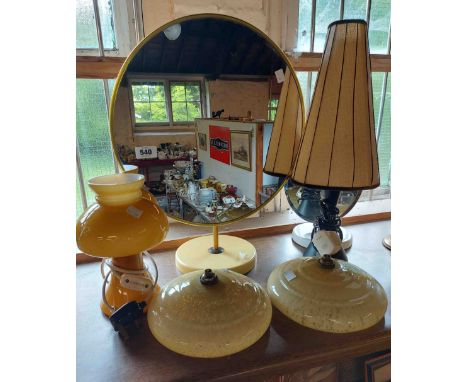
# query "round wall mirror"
(194, 107)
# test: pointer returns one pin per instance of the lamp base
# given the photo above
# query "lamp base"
(302, 234)
(117, 294)
(237, 254)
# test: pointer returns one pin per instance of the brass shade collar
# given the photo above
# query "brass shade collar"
(327, 262)
(209, 277)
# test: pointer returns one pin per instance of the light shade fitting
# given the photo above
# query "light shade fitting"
(287, 130)
(210, 314)
(338, 148)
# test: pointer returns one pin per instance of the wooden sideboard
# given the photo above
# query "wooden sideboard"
(284, 349)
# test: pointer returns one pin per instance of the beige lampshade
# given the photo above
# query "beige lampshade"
(338, 148)
(287, 129)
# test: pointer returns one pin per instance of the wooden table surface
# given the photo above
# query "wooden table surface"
(286, 346)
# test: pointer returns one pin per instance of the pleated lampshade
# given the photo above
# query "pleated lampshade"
(338, 148)
(287, 129)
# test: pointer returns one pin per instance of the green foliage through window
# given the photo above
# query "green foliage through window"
(272, 107)
(186, 101)
(151, 100)
(92, 135)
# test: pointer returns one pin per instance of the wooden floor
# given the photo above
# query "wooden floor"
(102, 356)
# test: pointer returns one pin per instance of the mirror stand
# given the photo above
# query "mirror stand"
(216, 252)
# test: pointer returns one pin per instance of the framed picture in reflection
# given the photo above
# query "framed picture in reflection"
(202, 141)
(241, 149)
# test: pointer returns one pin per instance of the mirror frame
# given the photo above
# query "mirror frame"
(161, 29)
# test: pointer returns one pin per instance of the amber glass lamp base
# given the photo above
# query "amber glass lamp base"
(117, 294)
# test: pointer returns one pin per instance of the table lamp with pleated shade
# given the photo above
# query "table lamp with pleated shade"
(337, 152)
(287, 130)
(338, 149)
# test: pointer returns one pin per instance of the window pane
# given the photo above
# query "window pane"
(86, 35)
(271, 114)
(303, 81)
(193, 110)
(355, 9)
(107, 24)
(377, 83)
(158, 112)
(304, 26)
(327, 12)
(92, 132)
(156, 92)
(142, 112)
(111, 84)
(140, 93)
(149, 102)
(178, 92)
(79, 203)
(193, 92)
(179, 111)
(384, 148)
(379, 26)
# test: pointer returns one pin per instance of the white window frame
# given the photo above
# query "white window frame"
(171, 125)
(124, 27)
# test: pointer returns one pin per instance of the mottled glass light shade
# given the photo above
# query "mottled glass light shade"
(340, 300)
(208, 320)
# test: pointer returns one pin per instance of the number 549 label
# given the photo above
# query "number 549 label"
(146, 152)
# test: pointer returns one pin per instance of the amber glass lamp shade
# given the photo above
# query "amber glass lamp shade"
(209, 314)
(121, 222)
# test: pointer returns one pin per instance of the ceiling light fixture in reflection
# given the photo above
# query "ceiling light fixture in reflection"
(173, 32)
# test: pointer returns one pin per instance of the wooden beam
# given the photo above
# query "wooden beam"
(108, 67)
(310, 62)
(98, 67)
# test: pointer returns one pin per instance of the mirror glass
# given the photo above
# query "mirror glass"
(194, 109)
(294, 192)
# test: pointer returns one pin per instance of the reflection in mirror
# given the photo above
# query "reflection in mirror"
(194, 111)
(308, 206)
